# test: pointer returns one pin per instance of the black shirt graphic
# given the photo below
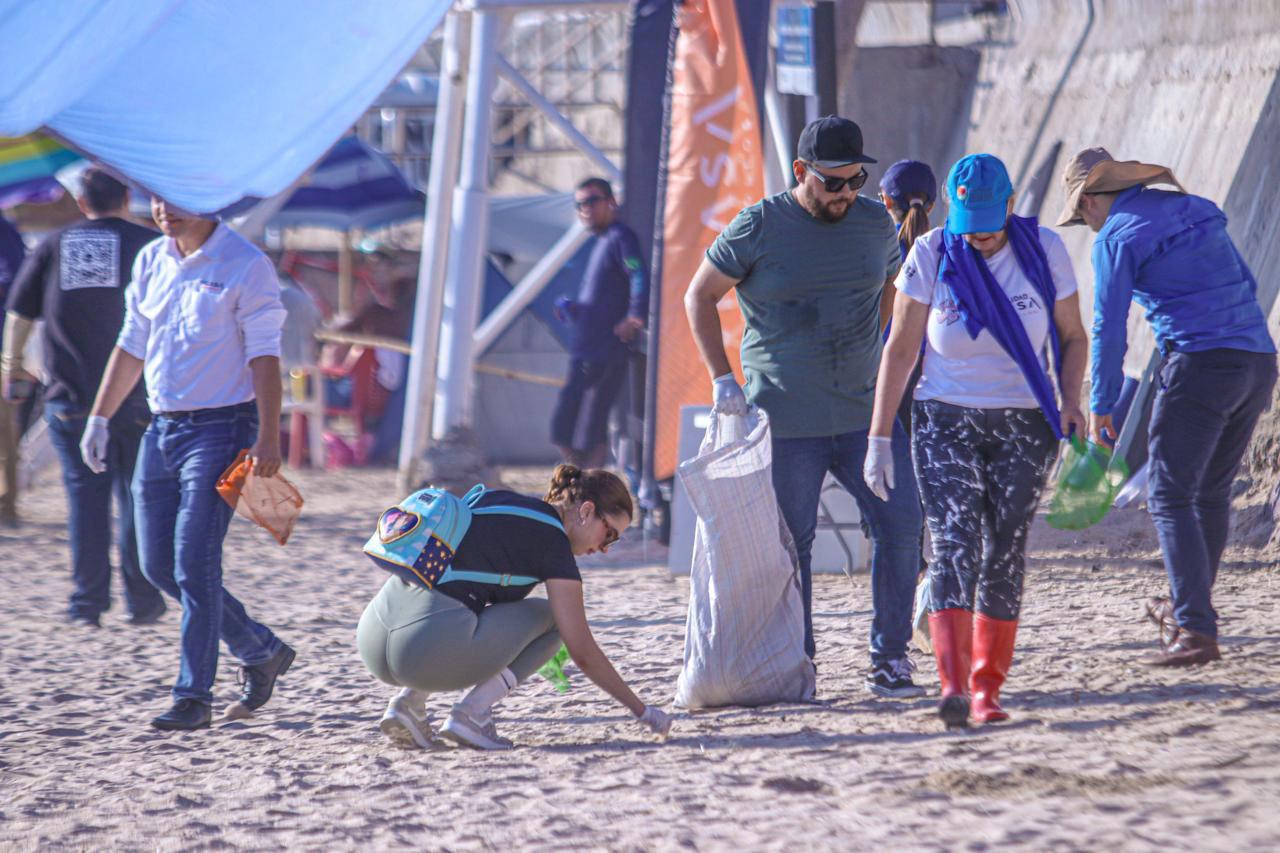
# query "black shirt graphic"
(75, 281)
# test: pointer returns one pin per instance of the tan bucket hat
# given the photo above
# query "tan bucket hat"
(1094, 170)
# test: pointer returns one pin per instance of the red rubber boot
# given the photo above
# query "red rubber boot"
(992, 656)
(951, 632)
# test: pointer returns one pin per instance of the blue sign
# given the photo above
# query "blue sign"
(794, 66)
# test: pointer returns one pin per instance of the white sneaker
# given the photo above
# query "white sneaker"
(407, 722)
(465, 730)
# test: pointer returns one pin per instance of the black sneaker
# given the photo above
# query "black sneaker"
(139, 619)
(258, 681)
(893, 679)
(185, 715)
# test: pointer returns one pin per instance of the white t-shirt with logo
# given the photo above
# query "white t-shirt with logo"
(977, 372)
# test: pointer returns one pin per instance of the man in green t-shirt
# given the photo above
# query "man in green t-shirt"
(813, 268)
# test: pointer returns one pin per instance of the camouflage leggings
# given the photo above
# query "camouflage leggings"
(981, 472)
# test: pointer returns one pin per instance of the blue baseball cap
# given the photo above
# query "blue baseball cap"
(909, 178)
(978, 188)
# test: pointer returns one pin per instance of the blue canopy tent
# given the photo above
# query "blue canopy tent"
(355, 187)
(205, 104)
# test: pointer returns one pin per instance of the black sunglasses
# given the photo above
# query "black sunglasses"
(588, 201)
(610, 535)
(835, 185)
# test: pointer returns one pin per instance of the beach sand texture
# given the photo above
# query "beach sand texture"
(1100, 753)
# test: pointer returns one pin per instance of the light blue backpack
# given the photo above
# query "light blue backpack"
(423, 532)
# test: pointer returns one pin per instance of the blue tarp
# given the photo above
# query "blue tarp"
(204, 102)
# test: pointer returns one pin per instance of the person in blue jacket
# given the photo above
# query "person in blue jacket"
(608, 314)
(1170, 252)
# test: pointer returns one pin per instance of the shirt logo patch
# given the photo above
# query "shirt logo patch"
(1025, 302)
(210, 286)
(89, 259)
(947, 312)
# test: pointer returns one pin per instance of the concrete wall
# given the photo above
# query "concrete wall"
(881, 92)
(513, 417)
(1185, 84)
(1191, 84)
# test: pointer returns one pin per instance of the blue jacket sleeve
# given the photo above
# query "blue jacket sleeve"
(1114, 271)
(637, 275)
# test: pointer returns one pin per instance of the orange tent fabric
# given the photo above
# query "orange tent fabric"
(715, 167)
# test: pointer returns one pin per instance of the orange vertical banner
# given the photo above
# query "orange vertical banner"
(715, 167)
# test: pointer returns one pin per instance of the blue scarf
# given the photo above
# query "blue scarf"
(984, 304)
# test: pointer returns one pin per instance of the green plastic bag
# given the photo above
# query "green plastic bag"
(553, 670)
(1089, 478)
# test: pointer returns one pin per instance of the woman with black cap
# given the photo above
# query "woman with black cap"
(908, 190)
(989, 293)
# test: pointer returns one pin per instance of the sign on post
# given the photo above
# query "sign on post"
(794, 64)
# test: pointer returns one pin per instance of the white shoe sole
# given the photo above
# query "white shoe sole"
(406, 733)
(913, 692)
(464, 735)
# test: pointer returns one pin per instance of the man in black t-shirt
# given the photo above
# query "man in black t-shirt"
(75, 281)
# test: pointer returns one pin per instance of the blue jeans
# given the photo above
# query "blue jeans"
(799, 467)
(181, 524)
(1204, 413)
(89, 510)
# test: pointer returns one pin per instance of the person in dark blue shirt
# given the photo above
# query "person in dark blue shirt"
(12, 251)
(609, 312)
(1170, 253)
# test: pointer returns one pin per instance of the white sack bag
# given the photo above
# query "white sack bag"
(744, 638)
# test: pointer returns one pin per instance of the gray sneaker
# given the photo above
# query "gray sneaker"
(465, 730)
(407, 722)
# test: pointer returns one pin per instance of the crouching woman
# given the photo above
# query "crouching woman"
(475, 628)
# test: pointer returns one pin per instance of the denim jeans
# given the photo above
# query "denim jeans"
(89, 510)
(799, 467)
(1204, 413)
(981, 472)
(181, 524)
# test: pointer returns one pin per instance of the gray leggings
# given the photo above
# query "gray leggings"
(415, 637)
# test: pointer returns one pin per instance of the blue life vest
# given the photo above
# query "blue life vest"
(422, 533)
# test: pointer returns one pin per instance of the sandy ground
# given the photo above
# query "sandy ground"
(1101, 752)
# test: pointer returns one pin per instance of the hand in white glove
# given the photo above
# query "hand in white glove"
(658, 720)
(877, 469)
(93, 444)
(729, 399)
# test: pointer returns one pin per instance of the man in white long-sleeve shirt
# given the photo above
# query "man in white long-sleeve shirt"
(202, 323)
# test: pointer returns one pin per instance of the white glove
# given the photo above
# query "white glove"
(877, 468)
(658, 720)
(729, 399)
(93, 444)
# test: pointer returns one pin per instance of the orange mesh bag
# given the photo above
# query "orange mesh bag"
(270, 502)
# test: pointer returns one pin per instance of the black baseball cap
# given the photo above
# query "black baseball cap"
(832, 142)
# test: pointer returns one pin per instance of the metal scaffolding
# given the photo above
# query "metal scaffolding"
(451, 271)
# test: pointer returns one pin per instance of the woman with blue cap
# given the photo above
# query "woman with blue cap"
(989, 293)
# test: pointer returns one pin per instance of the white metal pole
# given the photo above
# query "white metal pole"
(530, 286)
(782, 150)
(446, 144)
(470, 233)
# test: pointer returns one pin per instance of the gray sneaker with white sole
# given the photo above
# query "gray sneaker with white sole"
(406, 725)
(465, 730)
